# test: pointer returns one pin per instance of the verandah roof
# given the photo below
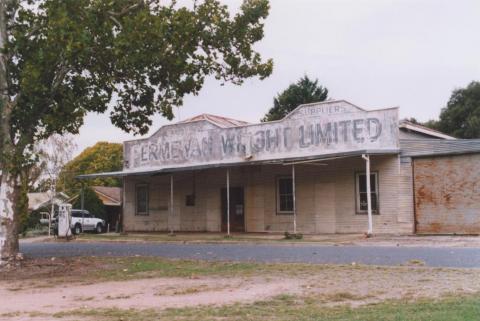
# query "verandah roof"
(285, 161)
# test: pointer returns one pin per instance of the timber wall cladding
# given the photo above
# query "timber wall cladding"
(447, 194)
(325, 198)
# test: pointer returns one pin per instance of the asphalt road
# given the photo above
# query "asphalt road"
(373, 255)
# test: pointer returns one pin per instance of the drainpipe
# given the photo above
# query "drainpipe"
(228, 201)
(369, 197)
(294, 202)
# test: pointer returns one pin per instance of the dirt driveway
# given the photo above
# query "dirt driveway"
(42, 289)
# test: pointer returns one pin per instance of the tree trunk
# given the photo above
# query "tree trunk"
(9, 182)
(9, 193)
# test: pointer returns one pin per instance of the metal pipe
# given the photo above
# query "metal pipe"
(369, 196)
(82, 204)
(228, 201)
(294, 202)
(171, 204)
(82, 197)
(124, 198)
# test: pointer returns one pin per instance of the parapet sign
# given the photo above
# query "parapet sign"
(310, 130)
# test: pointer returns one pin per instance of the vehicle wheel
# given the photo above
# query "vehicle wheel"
(99, 228)
(77, 229)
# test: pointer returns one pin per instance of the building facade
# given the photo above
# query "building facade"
(305, 173)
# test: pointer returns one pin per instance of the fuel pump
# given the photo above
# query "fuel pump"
(64, 220)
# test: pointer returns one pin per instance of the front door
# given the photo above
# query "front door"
(237, 212)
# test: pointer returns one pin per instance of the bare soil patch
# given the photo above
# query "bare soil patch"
(36, 289)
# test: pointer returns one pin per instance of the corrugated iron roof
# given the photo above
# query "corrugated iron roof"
(432, 147)
(406, 124)
(43, 199)
(112, 193)
(152, 171)
(220, 121)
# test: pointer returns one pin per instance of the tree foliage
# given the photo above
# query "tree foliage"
(61, 59)
(101, 157)
(91, 203)
(304, 91)
(461, 116)
(67, 58)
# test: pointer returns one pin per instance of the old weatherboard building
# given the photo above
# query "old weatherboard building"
(309, 172)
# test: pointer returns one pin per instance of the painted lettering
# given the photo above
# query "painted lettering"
(345, 124)
(258, 143)
(286, 135)
(144, 153)
(228, 144)
(306, 136)
(152, 153)
(357, 130)
(207, 146)
(176, 149)
(323, 129)
(164, 151)
(195, 150)
(375, 125)
(272, 141)
(187, 147)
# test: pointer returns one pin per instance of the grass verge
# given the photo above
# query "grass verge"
(218, 238)
(291, 308)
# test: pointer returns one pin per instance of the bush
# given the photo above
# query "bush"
(293, 236)
(91, 203)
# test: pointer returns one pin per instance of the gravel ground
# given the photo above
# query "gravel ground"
(371, 255)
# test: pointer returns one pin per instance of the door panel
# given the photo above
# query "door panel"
(237, 209)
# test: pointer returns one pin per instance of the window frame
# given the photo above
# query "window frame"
(137, 213)
(357, 192)
(277, 195)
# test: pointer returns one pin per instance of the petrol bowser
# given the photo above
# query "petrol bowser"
(64, 220)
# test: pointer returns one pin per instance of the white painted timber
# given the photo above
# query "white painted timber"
(311, 130)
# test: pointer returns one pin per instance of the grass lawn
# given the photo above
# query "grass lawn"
(291, 308)
(132, 268)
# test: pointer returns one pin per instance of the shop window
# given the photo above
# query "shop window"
(361, 192)
(141, 199)
(284, 195)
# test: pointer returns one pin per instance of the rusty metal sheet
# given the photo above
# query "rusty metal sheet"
(447, 194)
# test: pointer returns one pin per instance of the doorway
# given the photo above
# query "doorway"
(237, 209)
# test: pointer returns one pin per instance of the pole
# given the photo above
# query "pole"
(171, 204)
(52, 201)
(228, 201)
(82, 197)
(82, 204)
(369, 196)
(122, 214)
(294, 202)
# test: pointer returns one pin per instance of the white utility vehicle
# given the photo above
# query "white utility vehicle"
(82, 220)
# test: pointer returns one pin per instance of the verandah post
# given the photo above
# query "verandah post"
(228, 201)
(294, 202)
(369, 196)
(170, 221)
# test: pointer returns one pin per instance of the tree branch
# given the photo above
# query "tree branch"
(59, 77)
(124, 11)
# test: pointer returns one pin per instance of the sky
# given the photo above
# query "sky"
(373, 53)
